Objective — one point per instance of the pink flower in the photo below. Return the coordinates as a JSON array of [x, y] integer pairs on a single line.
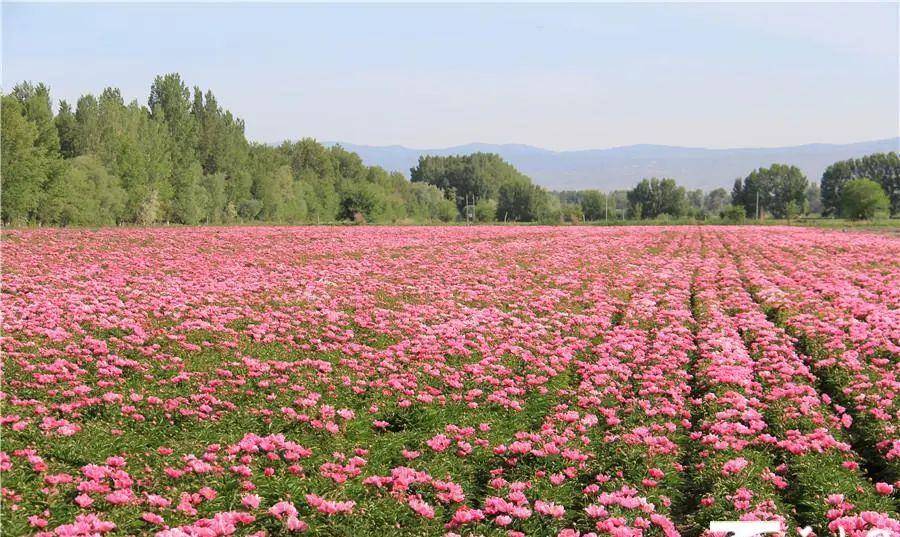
[[439, 442], [153, 518], [734, 466], [465, 515], [329, 507], [295, 524], [283, 508], [549, 508], [420, 507], [251, 501]]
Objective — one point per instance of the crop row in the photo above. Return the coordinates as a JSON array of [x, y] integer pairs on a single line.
[[425, 381]]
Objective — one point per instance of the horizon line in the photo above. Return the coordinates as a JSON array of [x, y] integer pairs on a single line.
[[345, 143]]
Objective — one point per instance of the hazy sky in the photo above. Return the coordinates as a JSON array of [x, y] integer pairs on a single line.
[[425, 76]]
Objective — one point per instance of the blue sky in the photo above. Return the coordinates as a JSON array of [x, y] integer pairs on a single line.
[[555, 76]]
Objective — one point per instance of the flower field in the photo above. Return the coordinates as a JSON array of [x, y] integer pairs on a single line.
[[429, 381]]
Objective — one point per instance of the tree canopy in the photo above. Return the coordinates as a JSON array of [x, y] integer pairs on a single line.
[[486, 180], [781, 191], [654, 197], [883, 168], [182, 158], [863, 199]]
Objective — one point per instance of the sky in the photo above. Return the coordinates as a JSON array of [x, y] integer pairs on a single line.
[[561, 77]]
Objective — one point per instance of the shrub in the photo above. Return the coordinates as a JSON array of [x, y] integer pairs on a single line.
[[863, 199], [486, 210], [733, 213]]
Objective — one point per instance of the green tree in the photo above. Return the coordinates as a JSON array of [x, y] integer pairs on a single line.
[[361, 202], [25, 165], [739, 195], [189, 199], [85, 194], [779, 189], [66, 128], [87, 131], [132, 145], [216, 199], [185, 159], [547, 209], [571, 212], [283, 199], [789, 191], [814, 198], [695, 202], [715, 200], [170, 101], [221, 144], [38, 109], [863, 199], [466, 177], [518, 200], [427, 203], [515, 201], [733, 213], [136, 147], [486, 210], [883, 168], [594, 205], [148, 212], [619, 198], [249, 209], [654, 197], [315, 168]]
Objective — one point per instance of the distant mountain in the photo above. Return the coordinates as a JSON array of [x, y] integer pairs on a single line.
[[621, 167]]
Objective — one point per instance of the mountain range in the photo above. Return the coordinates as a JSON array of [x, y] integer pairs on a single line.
[[622, 167]]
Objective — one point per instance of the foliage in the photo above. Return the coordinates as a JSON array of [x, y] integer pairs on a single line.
[[733, 213], [426, 203], [85, 194], [653, 197], [863, 199], [518, 200], [594, 205], [25, 164], [361, 203], [715, 201], [779, 190], [694, 199], [568, 212], [883, 168], [486, 210], [814, 198], [184, 159], [249, 209], [483, 176]]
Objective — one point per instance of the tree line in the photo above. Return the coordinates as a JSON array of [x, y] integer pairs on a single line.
[[857, 189], [486, 188], [881, 168], [492, 190], [184, 159]]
